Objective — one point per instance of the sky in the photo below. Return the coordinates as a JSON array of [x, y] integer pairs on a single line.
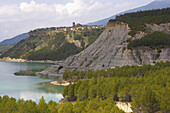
[[20, 16]]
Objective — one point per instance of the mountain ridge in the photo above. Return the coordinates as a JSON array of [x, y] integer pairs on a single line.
[[14, 40], [153, 5]]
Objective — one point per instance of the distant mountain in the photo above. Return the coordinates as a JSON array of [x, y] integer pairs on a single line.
[[158, 4], [14, 40]]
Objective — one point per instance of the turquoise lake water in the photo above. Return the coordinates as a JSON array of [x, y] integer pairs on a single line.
[[27, 87]]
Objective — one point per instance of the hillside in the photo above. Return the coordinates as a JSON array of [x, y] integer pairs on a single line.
[[54, 43], [5, 48], [111, 48], [14, 40], [158, 4]]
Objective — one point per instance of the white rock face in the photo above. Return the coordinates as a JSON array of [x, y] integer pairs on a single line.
[[110, 50], [125, 106]]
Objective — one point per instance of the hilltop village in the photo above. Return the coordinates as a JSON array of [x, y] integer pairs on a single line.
[[74, 27]]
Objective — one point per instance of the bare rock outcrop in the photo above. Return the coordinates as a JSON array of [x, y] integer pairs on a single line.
[[125, 106], [164, 27]]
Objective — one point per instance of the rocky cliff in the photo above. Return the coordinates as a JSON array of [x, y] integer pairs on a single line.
[[110, 50], [102, 52]]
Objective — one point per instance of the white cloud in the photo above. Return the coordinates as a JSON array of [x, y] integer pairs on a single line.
[[70, 7], [28, 7], [16, 19]]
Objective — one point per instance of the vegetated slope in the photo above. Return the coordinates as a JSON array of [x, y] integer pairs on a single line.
[[153, 40], [111, 50], [137, 21], [14, 40], [158, 4], [52, 44], [5, 48], [145, 86]]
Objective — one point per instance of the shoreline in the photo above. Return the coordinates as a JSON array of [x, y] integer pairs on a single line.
[[56, 83], [8, 59]]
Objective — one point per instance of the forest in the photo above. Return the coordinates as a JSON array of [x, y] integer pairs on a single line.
[[146, 87], [124, 71], [137, 20]]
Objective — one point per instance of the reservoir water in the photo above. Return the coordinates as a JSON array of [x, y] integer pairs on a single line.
[[27, 87]]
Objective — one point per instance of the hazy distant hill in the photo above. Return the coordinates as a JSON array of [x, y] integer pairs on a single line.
[[14, 40], [158, 4]]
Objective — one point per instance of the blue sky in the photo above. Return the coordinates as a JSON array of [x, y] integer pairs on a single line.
[[20, 16]]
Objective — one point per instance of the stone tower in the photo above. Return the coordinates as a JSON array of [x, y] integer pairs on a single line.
[[74, 24]]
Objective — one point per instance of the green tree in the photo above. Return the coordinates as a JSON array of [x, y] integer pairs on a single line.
[[146, 101], [66, 108], [53, 107], [42, 106]]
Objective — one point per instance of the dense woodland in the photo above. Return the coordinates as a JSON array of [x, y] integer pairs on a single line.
[[147, 86], [124, 71], [137, 20]]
